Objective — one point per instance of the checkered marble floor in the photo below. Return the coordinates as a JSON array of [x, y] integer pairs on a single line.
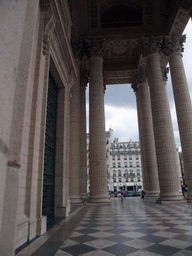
[[133, 227]]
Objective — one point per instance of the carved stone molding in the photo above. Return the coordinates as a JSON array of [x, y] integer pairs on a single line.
[[118, 77], [180, 22], [49, 25], [151, 45], [138, 76], [120, 48], [173, 44]]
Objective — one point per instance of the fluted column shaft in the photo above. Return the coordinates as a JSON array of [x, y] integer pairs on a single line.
[[74, 152], [184, 114], [83, 145], [98, 173], [163, 132], [152, 180]]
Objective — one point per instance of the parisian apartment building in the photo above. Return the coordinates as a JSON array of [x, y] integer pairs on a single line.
[[126, 171], [123, 166]]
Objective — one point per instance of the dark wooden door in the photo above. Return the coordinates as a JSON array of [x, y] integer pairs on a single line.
[[50, 148]]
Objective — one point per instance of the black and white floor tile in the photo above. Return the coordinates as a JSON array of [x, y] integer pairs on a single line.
[[133, 227]]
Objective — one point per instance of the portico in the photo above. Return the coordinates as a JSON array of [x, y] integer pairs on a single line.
[[50, 51]]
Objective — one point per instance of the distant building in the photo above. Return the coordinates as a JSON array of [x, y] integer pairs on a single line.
[[126, 171], [123, 164]]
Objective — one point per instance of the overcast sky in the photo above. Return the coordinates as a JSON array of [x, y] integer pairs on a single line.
[[120, 101]]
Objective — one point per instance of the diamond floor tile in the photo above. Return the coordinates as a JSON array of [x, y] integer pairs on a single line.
[[132, 227]]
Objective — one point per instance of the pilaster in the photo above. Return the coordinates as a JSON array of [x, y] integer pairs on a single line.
[[74, 153]]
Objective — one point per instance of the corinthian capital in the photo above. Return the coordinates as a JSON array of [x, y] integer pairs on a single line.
[[173, 44], [151, 44], [97, 48], [138, 76]]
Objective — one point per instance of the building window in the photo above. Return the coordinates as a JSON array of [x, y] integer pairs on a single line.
[[119, 164], [137, 157], [125, 157], [113, 165], [131, 171], [138, 179], [126, 179], [125, 164], [114, 173], [132, 180], [114, 179], [130, 157], [118, 157], [137, 164], [126, 172], [119, 179], [130, 164], [119, 173], [138, 172], [113, 157]]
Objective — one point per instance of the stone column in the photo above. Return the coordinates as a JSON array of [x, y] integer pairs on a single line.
[[98, 168], [144, 178], [74, 152], [173, 48], [147, 134], [83, 144], [163, 130]]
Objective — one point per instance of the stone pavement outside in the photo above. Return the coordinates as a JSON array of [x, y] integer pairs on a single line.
[[131, 226]]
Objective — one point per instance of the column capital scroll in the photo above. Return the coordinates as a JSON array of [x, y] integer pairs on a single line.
[[172, 44]]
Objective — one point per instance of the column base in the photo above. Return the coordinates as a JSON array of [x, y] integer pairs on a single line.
[[41, 225], [76, 200], [189, 198], [100, 199], [171, 199], [84, 197], [152, 194]]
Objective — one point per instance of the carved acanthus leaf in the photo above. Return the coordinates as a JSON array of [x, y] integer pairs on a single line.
[[138, 76], [151, 44], [173, 44]]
